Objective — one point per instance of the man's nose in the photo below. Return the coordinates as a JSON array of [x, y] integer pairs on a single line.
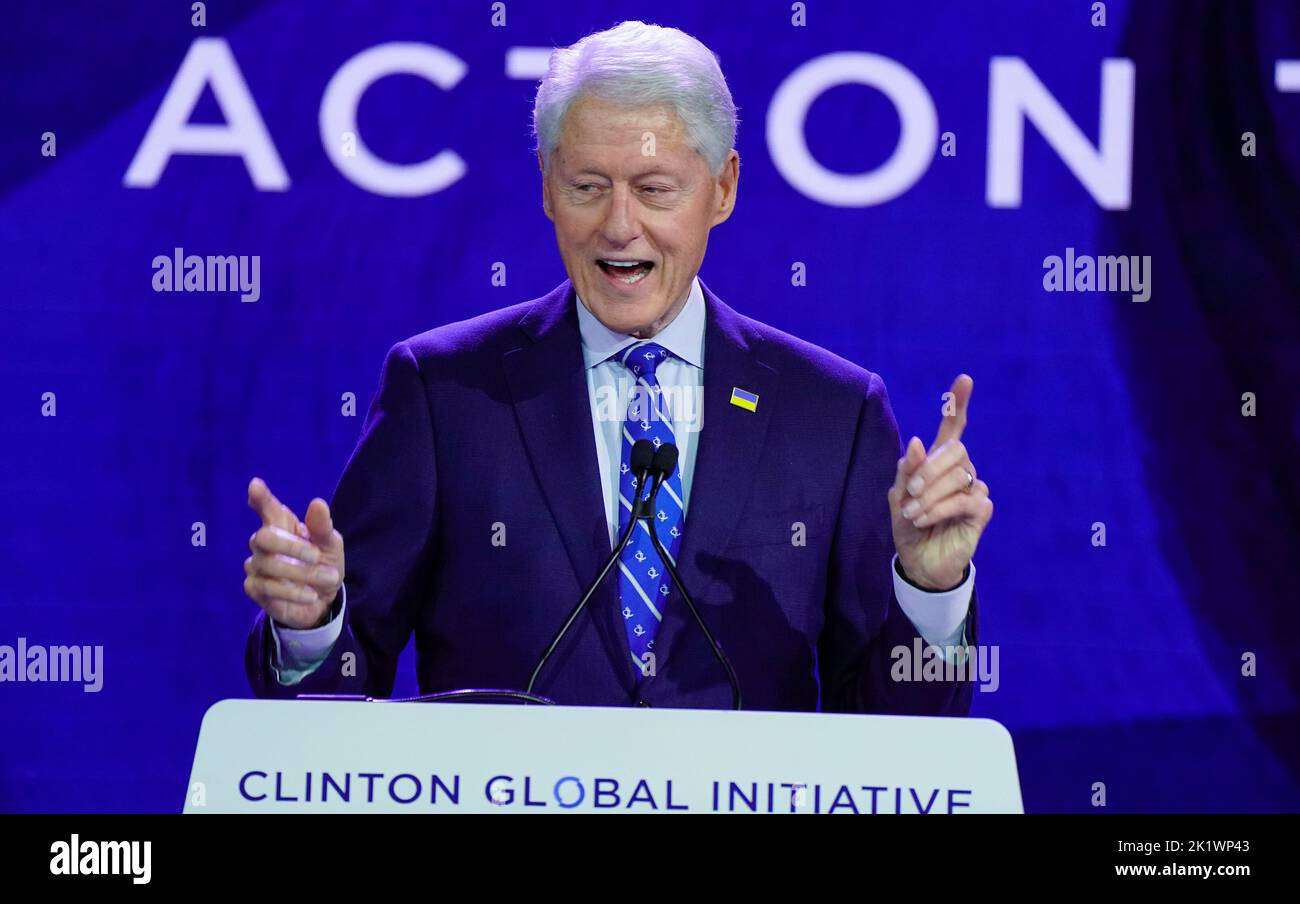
[[621, 226]]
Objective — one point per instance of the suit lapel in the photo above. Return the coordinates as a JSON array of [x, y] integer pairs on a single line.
[[726, 459], [548, 384]]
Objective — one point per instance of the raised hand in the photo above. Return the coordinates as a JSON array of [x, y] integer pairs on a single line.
[[938, 505], [296, 568]]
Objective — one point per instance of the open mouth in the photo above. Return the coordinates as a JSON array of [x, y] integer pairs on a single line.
[[627, 272]]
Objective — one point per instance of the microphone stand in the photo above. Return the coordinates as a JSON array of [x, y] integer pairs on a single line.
[[637, 511], [648, 513]]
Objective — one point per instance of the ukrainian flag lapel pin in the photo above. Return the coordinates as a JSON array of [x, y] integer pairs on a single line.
[[744, 399]]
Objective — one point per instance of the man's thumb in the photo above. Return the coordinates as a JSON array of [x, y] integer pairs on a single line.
[[320, 526]]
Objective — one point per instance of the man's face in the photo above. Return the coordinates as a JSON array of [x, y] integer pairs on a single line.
[[620, 196]]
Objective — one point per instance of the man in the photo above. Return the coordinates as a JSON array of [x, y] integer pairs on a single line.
[[491, 479]]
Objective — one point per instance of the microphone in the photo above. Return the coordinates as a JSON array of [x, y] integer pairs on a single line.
[[642, 458], [665, 460]]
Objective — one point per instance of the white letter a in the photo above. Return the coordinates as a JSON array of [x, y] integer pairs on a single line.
[[209, 62]]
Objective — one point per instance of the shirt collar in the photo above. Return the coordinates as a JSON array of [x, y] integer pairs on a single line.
[[683, 337]]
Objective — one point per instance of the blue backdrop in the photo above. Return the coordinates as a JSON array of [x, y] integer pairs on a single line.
[[1120, 664]]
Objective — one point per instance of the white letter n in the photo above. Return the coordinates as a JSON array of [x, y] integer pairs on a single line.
[[1016, 94]]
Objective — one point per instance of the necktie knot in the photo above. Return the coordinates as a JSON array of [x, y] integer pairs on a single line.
[[643, 358]]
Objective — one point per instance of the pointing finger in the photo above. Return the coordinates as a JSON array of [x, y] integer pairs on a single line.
[[956, 401], [272, 511]]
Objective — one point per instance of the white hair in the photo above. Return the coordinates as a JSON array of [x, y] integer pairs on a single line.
[[635, 64]]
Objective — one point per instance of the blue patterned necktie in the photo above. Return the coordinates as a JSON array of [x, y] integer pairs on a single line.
[[644, 584]]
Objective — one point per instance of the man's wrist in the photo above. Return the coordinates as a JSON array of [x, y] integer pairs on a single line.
[[902, 573], [331, 612]]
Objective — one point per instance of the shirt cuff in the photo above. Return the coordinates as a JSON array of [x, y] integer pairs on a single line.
[[939, 617], [298, 653]]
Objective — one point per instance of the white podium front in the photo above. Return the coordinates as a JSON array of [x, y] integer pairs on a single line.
[[318, 756]]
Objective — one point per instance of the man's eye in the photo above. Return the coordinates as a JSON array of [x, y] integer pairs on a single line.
[[586, 187], [654, 189]]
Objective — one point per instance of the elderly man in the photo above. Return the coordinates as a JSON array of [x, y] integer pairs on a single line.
[[493, 476]]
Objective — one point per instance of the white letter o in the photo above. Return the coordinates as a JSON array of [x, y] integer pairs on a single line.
[[918, 119]]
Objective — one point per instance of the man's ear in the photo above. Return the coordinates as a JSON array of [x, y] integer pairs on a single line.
[[546, 188], [726, 186]]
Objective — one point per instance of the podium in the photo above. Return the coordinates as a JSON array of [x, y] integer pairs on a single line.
[[331, 756]]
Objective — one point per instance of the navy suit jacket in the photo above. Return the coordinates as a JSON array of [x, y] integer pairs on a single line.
[[487, 422]]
